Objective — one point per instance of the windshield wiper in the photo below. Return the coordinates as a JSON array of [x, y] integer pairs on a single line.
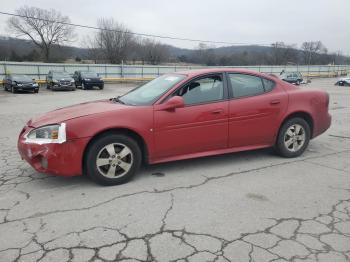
[[117, 99]]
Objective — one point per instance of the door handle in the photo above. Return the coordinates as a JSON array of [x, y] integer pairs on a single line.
[[217, 111], [275, 102]]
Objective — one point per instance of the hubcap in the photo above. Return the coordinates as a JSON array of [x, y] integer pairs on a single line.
[[114, 160], [294, 138]]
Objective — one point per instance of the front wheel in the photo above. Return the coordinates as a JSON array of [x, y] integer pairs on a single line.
[[112, 159], [293, 137], [13, 90]]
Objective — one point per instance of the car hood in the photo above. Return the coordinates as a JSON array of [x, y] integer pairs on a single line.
[[24, 82], [64, 79], [66, 113], [93, 78]]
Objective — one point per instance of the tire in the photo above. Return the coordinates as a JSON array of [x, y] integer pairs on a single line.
[[101, 87], [36, 91], [73, 88], [298, 83], [110, 172], [293, 138], [13, 90], [83, 87]]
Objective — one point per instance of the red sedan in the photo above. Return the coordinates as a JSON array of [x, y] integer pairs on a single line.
[[176, 116]]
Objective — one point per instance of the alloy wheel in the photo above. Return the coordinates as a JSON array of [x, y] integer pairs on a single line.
[[294, 138], [114, 160]]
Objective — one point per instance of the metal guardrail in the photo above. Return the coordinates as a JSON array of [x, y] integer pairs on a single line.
[[110, 72]]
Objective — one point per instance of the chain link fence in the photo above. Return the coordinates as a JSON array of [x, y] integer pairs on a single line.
[[38, 71]]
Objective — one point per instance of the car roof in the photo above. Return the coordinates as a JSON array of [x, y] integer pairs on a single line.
[[196, 72]]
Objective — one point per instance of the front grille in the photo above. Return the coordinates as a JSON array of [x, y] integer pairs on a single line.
[[65, 83]]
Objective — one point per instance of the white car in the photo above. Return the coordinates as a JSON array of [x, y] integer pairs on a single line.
[[344, 81]]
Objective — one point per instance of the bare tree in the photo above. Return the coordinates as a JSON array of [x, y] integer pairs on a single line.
[[43, 27], [151, 51], [310, 49], [282, 54], [205, 54], [113, 40]]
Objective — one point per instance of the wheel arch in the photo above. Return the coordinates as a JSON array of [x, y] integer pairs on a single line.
[[302, 114], [125, 131]]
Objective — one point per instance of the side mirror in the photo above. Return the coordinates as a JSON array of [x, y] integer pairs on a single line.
[[172, 104]]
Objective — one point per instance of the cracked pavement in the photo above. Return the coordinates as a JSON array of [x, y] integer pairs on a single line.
[[250, 206]]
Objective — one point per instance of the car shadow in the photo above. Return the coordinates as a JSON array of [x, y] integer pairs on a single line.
[[209, 161], [164, 169]]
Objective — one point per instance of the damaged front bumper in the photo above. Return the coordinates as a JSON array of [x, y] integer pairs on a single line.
[[64, 159]]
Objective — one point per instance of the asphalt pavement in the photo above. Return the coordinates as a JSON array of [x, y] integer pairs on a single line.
[[250, 206]]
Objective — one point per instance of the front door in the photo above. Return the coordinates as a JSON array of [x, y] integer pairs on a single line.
[[202, 125]]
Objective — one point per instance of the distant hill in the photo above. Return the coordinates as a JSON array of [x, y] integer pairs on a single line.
[[14, 49]]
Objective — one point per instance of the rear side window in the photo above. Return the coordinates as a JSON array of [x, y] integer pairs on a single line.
[[246, 85], [268, 84]]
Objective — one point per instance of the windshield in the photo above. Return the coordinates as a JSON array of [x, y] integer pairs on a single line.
[[61, 75], [22, 78], [89, 74], [148, 93]]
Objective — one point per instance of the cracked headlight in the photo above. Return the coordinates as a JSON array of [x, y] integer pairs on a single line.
[[47, 134]]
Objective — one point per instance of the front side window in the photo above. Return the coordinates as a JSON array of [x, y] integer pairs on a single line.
[[246, 85], [202, 90]]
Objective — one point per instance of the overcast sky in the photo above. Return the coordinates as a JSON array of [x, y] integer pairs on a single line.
[[248, 21]]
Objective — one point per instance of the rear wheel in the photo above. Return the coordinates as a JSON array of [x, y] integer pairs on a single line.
[[112, 159], [293, 137]]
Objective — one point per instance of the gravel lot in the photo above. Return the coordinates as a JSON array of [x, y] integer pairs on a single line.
[[251, 206]]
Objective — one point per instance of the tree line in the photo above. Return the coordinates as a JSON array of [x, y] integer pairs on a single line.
[[50, 32]]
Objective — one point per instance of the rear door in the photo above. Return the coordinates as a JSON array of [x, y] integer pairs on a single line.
[[255, 110], [202, 125]]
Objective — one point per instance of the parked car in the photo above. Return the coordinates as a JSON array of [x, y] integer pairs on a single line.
[[14, 83], [87, 79], [292, 77], [175, 116], [344, 81], [59, 80]]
